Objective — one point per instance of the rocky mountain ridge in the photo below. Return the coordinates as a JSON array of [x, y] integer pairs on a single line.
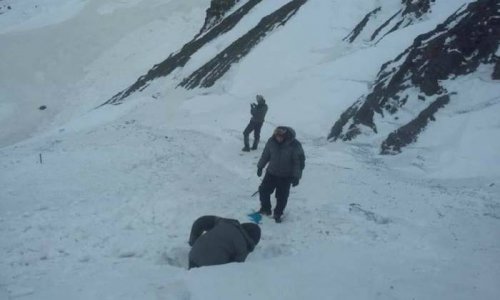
[[467, 39], [411, 11], [208, 74]]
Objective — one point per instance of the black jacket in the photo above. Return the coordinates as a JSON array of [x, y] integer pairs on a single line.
[[286, 159], [258, 112], [224, 241]]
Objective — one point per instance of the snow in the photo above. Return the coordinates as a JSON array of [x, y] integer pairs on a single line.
[[32, 14], [98, 203], [105, 58], [465, 130]]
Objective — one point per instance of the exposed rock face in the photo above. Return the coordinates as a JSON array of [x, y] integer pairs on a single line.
[[180, 58], [216, 12], [361, 25], [416, 8], [411, 11], [209, 73], [408, 133], [468, 38]]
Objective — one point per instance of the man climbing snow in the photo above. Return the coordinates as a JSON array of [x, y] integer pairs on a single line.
[[215, 241], [285, 160], [258, 112]]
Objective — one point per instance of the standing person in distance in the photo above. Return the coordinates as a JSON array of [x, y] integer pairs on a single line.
[[285, 160], [258, 111]]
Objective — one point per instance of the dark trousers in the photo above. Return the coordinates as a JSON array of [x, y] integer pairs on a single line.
[[267, 187], [255, 127]]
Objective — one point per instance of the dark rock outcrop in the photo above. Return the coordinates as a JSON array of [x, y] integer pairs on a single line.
[[384, 25], [361, 25], [209, 73], [468, 38], [408, 133], [215, 13], [180, 58], [411, 11], [416, 8]]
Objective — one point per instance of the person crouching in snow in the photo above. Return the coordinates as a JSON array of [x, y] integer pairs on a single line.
[[215, 241]]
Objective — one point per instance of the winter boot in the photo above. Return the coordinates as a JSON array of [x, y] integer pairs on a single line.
[[247, 143], [277, 219], [264, 212], [255, 144]]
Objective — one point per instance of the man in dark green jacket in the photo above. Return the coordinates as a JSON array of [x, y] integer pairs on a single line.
[[215, 241], [258, 112], [285, 160]]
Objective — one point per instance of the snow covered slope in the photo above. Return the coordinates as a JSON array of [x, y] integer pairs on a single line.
[[97, 201], [411, 89], [86, 53]]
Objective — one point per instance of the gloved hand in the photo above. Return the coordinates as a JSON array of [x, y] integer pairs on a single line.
[[259, 172], [295, 181]]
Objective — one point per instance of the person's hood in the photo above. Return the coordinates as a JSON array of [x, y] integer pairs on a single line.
[[289, 133], [253, 231], [250, 232]]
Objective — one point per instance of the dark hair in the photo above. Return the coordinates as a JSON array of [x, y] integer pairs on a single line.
[[280, 130]]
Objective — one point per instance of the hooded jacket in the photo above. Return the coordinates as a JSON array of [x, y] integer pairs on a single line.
[[286, 159], [224, 241], [258, 111]]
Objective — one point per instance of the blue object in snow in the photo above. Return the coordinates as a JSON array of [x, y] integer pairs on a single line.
[[255, 217]]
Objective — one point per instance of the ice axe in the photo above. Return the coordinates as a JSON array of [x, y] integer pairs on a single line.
[[257, 189]]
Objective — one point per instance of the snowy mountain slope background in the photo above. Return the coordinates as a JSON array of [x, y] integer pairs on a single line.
[[97, 203], [411, 89]]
